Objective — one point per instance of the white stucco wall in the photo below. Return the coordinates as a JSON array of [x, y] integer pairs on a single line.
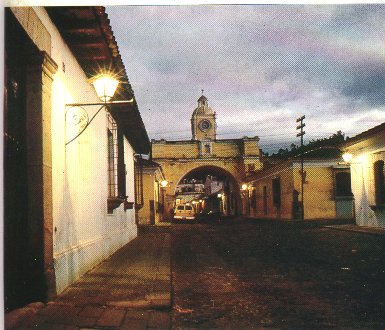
[[84, 234], [363, 189]]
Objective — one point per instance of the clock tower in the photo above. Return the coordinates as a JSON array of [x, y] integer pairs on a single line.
[[203, 123]]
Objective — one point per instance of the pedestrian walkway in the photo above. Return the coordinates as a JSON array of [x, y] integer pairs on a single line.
[[359, 229], [130, 290]]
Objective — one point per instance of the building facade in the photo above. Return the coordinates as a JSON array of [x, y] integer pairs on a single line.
[[230, 158], [367, 152], [151, 210], [275, 192], [68, 170]]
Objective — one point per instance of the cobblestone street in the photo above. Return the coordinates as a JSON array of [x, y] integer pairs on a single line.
[[237, 274], [260, 274], [182, 166]]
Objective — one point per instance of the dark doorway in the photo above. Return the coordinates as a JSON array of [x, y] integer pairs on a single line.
[[18, 289], [296, 206], [264, 200]]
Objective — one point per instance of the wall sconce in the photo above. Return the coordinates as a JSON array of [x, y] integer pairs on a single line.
[[219, 195], [244, 186], [163, 183], [347, 157], [105, 86]]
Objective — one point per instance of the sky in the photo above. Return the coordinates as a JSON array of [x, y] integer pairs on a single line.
[[260, 66]]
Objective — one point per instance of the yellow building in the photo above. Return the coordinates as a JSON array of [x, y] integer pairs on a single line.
[[367, 157], [231, 159], [275, 192], [150, 208]]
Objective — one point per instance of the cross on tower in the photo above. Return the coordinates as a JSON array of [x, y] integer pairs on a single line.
[[202, 91]]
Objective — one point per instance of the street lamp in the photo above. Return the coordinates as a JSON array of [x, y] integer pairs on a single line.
[[105, 86], [347, 157], [163, 183], [245, 198]]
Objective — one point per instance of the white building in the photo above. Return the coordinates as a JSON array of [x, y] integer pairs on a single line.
[[367, 153], [68, 200], [190, 187], [213, 185]]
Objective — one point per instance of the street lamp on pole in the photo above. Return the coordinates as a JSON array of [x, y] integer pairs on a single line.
[[163, 186]]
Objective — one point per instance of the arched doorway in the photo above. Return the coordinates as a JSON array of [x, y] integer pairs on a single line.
[[209, 188]]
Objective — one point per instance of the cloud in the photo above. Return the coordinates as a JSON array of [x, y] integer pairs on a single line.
[[367, 87], [260, 65]]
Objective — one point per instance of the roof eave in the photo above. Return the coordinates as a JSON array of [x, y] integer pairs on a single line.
[[88, 33]]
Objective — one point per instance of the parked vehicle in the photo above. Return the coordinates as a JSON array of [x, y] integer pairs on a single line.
[[184, 212]]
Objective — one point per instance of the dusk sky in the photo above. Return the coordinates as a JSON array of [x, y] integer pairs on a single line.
[[261, 67]]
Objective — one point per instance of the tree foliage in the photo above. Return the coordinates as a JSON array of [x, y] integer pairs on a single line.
[[321, 148]]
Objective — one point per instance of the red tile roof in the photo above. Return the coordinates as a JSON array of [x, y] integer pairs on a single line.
[[89, 35]]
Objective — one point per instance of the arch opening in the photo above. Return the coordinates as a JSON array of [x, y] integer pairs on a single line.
[[209, 189]]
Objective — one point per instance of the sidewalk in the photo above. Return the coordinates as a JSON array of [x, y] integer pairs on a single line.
[[359, 229], [129, 290]]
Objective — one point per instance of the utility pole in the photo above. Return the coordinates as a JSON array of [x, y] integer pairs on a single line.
[[301, 134]]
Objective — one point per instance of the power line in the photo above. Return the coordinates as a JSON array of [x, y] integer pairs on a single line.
[[315, 133]]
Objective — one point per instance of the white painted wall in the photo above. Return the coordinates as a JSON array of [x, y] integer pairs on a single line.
[[363, 189], [84, 234]]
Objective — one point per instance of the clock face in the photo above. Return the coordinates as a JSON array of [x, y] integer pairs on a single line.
[[204, 125]]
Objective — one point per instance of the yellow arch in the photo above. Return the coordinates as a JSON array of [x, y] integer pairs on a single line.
[[175, 171]]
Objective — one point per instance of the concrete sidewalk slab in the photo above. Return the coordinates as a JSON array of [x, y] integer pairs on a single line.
[[129, 290]]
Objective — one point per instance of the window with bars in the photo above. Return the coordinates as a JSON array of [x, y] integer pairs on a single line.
[[116, 166], [112, 139], [343, 187], [139, 199]]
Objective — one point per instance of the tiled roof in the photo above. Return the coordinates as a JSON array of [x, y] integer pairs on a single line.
[[365, 135], [148, 162], [88, 33]]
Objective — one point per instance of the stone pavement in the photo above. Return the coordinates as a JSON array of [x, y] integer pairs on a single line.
[[129, 290]]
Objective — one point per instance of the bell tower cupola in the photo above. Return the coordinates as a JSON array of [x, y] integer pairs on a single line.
[[203, 121]]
